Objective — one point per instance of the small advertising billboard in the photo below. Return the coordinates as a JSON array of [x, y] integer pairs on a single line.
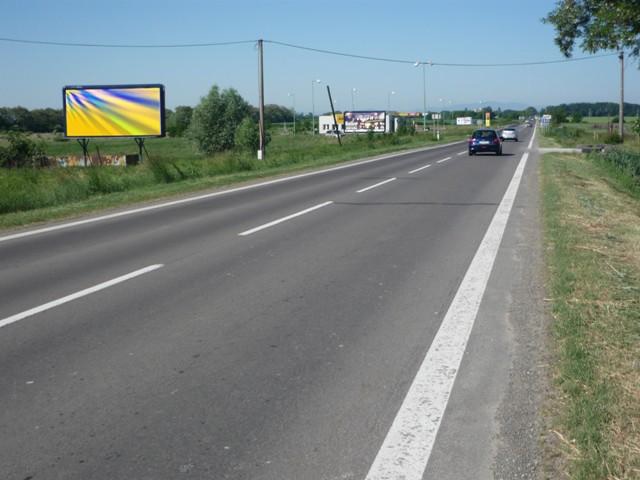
[[134, 111], [362, 122], [487, 119], [463, 121]]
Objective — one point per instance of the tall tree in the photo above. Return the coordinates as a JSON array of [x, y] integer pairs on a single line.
[[599, 24], [215, 119]]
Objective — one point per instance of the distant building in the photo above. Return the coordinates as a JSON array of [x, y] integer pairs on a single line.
[[326, 125]]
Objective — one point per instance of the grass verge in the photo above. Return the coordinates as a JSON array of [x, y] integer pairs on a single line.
[[35, 195], [592, 239]]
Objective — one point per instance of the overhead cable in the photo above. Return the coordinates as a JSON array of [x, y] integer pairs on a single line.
[[120, 45], [302, 47]]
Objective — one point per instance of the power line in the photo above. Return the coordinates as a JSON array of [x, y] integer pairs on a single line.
[[112, 45], [342, 54], [302, 47], [441, 64]]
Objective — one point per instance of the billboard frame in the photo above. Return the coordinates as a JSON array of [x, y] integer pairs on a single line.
[[384, 127], [163, 129]]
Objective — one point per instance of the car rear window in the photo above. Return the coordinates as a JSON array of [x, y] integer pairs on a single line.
[[509, 130], [484, 134]]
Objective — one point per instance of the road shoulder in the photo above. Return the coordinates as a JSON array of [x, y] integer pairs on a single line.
[[491, 427]]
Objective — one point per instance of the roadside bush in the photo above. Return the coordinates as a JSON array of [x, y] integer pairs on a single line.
[[612, 138], [404, 130], [248, 135], [165, 171], [21, 152], [563, 132], [371, 136], [625, 160]]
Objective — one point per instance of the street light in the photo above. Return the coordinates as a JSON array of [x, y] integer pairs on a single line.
[[389, 99], [424, 93], [293, 97], [440, 120], [353, 102], [313, 106]]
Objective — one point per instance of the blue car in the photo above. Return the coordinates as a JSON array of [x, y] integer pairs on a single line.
[[485, 140]]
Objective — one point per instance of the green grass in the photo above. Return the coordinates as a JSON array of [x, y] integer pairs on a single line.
[[592, 130], [33, 195], [592, 239]]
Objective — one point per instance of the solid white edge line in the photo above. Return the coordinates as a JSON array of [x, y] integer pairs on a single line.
[[215, 194], [444, 160], [533, 135], [74, 296], [284, 219], [408, 444], [376, 185], [421, 168]]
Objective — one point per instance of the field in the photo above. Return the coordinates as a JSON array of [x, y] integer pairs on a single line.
[[174, 167], [591, 131]]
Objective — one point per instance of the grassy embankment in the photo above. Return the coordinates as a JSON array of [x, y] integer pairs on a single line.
[[32, 195], [591, 208], [591, 131]]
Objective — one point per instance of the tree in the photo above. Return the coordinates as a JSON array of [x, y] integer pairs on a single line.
[[216, 118], [600, 24], [179, 121], [558, 115], [576, 117]]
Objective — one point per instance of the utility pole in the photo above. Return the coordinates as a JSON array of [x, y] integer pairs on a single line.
[[261, 100], [335, 120], [621, 108]]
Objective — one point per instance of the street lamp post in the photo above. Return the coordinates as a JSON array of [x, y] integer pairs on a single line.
[[313, 106], [440, 121], [353, 102], [389, 99], [293, 97], [424, 93]]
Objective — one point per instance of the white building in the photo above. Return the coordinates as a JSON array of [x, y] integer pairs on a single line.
[[326, 125]]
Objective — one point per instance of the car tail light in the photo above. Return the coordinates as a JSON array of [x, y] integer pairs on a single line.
[[496, 140]]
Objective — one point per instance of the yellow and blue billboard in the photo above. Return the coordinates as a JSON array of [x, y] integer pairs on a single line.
[[114, 111]]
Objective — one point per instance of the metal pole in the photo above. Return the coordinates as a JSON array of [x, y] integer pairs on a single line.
[[261, 100], [294, 113], [353, 103], [313, 110], [621, 109], [424, 99]]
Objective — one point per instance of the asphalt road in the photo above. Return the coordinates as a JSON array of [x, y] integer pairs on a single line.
[[275, 337]]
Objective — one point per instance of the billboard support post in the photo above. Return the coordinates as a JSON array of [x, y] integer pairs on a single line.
[[84, 143], [335, 120], [140, 143]]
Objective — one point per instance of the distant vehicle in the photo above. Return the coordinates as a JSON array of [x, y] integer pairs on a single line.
[[509, 134], [485, 140]]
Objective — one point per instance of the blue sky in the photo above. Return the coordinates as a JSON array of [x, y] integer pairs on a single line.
[[454, 31]]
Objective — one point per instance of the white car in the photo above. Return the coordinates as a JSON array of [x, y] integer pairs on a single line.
[[509, 134]]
